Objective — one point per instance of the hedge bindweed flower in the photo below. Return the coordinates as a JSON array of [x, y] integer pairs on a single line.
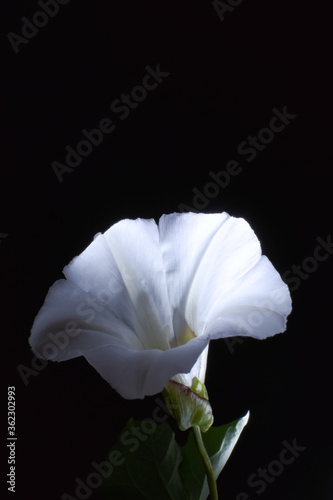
[[142, 302]]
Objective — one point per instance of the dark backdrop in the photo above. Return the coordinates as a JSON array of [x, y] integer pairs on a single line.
[[225, 78]]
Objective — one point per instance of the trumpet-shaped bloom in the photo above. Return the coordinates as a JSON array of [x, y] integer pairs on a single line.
[[142, 301]]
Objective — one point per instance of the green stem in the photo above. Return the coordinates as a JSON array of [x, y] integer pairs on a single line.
[[206, 460]]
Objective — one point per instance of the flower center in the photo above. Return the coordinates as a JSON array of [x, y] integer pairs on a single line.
[[186, 336]]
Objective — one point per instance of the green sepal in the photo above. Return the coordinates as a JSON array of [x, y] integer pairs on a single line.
[[189, 405]]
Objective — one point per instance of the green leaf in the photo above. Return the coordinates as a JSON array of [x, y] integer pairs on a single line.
[[151, 465], [150, 468], [219, 443]]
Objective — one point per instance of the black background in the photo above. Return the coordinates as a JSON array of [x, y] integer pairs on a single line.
[[225, 79]]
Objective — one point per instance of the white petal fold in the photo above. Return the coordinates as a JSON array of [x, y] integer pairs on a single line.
[[135, 374], [58, 333], [218, 281]]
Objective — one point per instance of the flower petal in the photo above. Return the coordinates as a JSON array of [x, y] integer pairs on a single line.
[[198, 369], [135, 247], [135, 374], [204, 254], [257, 305], [125, 266], [58, 333], [65, 315]]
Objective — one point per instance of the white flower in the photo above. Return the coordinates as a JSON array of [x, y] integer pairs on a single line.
[[142, 302]]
